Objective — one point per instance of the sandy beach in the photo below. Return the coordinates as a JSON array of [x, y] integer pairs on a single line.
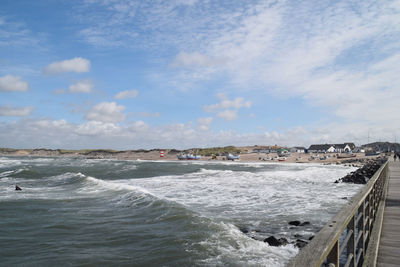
[[171, 155]]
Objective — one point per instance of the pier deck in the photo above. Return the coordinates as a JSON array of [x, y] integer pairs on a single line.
[[389, 246]]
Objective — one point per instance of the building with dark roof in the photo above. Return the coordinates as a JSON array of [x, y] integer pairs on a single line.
[[331, 148]]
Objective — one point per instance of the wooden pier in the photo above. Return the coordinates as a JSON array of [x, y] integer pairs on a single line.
[[389, 245], [361, 230]]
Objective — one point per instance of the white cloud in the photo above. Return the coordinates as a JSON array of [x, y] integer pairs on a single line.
[[99, 134], [225, 103], [11, 83], [195, 59], [228, 115], [83, 86], [127, 94], [15, 111], [16, 33], [76, 64], [204, 123], [106, 112], [228, 109], [93, 128]]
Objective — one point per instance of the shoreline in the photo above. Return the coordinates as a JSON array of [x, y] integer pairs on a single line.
[[171, 155]]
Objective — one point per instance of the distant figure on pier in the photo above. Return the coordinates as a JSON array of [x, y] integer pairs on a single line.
[[17, 188], [395, 157]]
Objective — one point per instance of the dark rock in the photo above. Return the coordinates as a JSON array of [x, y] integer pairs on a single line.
[[301, 243], [363, 174], [295, 223], [311, 238], [272, 241], [283, 241], [244, 230]]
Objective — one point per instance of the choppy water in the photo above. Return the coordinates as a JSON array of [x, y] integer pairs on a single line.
[[141, 213]]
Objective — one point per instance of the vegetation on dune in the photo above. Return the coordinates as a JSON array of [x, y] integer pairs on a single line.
[[208, 152], [7, 150], [218, 151]]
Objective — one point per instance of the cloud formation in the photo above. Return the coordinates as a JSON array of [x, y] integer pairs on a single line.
[[98, 134], [228, 115], [106, 112], [83, 86], [204, 123], [195, 59], [16, 33], [127, 94], [10, 83], [228, 109], [225, 103], [15, 111], [76, 64]]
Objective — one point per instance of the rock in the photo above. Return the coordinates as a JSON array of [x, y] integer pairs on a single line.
[[301, 243], [272, 241], [363, 174], [295, 223], [305, 223], [311, 238], [244, 230]]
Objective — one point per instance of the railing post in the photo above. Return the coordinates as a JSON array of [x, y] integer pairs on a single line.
[[370, 209], [362, 231], [351, 245], [333, 256]]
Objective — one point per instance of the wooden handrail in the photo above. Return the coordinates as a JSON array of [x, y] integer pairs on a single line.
[[345, 238]]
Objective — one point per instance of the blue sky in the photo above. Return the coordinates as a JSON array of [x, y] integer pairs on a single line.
[[162, 74]]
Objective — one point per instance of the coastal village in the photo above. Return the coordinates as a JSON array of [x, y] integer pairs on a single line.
[[320, 153]]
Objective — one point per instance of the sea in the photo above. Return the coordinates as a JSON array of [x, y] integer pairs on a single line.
[[95, 212]]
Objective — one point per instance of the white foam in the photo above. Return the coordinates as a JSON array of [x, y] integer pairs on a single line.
[[9, 162], [257, 196], [6, 173], [116, 185], [229, 246]]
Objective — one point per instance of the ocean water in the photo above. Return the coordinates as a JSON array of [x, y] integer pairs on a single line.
[[75, 211]]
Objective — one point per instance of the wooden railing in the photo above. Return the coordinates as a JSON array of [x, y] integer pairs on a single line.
[[344, 240]]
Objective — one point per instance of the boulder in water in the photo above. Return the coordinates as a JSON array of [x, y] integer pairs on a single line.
[[295, 223], [301, 243], [272, 241]]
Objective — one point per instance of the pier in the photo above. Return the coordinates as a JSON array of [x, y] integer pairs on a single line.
[[389, 245], [365, 232]]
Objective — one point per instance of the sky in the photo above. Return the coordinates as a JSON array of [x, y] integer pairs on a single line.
[[117, 74]]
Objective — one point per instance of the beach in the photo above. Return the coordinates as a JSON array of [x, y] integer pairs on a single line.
[[246, 155]]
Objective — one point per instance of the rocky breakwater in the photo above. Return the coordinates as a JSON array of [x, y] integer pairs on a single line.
[[363, 174], [294, 234]]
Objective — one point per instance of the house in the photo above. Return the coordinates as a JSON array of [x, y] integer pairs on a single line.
[[321, 148], [332, 148], [358, 150], [266, 149], [351, 145], [342, 148], [298, 149]]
